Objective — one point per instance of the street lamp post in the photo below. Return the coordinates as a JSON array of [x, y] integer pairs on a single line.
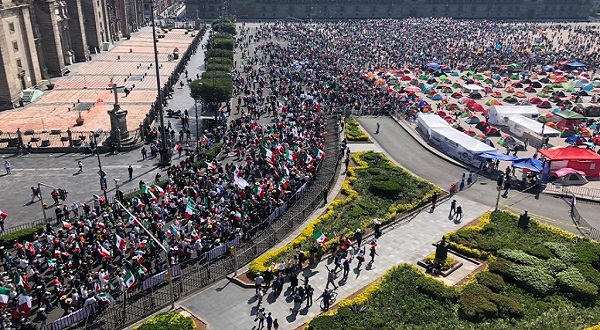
[[164, 248], [197, 128], [101, 173], [164, 155]]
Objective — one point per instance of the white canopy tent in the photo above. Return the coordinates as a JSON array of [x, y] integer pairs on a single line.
[[458, 145], [500, 114], [518, 125], [427, 121]]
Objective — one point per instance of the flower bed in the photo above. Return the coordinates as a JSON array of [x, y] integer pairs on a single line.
[[168, 321], [539, 277], [361, 204], [353, 131]]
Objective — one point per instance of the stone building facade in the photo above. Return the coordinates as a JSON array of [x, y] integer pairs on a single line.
[[355, 9], [39, 39]]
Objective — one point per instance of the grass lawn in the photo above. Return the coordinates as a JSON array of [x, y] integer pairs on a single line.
[[375, 188], [537, 278]]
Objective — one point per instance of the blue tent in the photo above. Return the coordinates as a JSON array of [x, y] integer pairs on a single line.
[[576, 64], [531, 164], [423, 103], [433, 65], [497, 155], [575, 139]]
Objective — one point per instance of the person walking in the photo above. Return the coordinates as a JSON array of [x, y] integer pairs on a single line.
[[35, 194], [130, 170], [144, 153], [275, 324], [7, 167], [434, 199], [331, 278], [326, 298], [346, 269], [309, 295], [452, 208], [360, 257], [80, 165], [260, 317], [325, 192], [372, 253], [258, 281], [358, 237], [377, 130], [269, 321], [459, 212]]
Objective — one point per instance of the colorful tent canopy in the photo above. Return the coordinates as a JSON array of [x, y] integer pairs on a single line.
[[569, 153]]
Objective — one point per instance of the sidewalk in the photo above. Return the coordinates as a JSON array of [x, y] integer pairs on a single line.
[[222, 304]]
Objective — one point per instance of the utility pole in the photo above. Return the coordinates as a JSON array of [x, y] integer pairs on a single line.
[[165, 157], [40, 184]]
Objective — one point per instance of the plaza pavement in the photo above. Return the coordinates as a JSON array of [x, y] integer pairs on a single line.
[[130, 62]]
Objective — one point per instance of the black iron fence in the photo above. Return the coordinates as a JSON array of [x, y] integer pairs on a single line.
[[198, 273], [583, 226]]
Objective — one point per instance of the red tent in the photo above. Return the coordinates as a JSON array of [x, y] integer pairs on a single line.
[[580, 159], [544, 105]]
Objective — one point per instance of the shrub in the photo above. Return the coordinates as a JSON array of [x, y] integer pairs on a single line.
[[436, 289], [469, 252], [501, 267], [220, 60], [227, 27], [221, 43], [519, 257], [353, 131], [20, 235], [533, 278], [587, 251], [219, 53], [589, 272], [218, 68], [562, 251], [168, 321], [214, 150], [553, 266], [475, 305], [538, 250], [507, 306], [385, 188], [493, 281], [571, 280]]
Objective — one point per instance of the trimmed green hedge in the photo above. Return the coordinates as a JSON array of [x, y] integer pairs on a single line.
[[218, 53], [222, 43], [168, 321], [353, 131], [20, 235], [220, 60]]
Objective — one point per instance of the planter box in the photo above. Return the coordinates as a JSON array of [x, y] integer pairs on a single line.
[[45, 143]]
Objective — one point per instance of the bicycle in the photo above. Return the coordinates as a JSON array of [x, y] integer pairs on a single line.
[[332, 298]]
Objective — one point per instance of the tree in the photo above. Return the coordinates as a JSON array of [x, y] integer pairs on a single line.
[[211, 91]]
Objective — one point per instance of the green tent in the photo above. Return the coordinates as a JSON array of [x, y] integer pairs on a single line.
[[423, 77], [443, 77], [514, 66], [569, 115], [569, 88]]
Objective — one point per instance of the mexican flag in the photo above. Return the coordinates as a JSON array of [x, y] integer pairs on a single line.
[[209, 166], [103, 252], [105, 296], [3, 215], [189, 209], [319, 154], [133, 221], [320, 237], [260, 190], [268, 154], [129, 280], [120, 242], [51, 264], [29, 246], [204, 139], [25, 303], [290, 155], [146, 190], [306, 157], [4, 296], [161, 191]]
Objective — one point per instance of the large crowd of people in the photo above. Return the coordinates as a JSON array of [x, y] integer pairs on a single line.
[[291, 76]]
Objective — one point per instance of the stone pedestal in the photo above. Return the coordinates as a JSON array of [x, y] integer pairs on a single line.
[[118, 124]]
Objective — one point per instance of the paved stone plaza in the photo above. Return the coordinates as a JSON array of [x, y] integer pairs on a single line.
[[129, 63]]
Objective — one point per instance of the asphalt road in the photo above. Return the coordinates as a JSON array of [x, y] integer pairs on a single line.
[[413, 156], [60, 170]]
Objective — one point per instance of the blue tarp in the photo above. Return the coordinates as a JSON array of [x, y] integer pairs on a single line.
[[433, 65], [576, 64], [497, 155], [422, 103], [532, 164]]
